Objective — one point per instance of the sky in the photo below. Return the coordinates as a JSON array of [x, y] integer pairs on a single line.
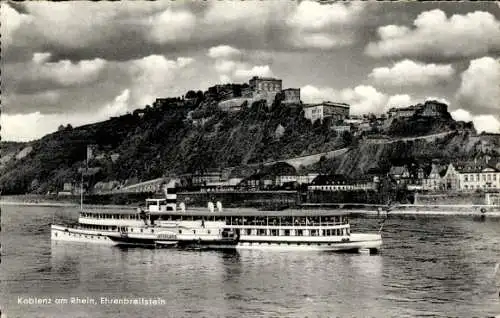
[[82, 62]]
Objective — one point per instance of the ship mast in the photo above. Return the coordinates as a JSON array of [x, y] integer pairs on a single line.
[[81, 182], [81, 193]]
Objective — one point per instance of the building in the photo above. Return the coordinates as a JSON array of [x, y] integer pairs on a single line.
[[265, 84], [331, 110], [265, 88], [68, 187], [451, 179], [306, 178], [400, 174], [339, 129], [433, 108], [430, 108], [228, 185], [232, 105], [154, 185], [280, 180], [341, 183], [208, 178], [417, 177], [432, 182], [478, 176], [404, 112], [291, 96]]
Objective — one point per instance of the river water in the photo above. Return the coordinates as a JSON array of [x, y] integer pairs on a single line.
[[429, 266]]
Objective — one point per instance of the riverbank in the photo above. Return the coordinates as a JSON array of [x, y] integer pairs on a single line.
[[369, 210]]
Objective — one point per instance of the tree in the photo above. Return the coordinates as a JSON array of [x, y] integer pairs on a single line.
[[191, 94]]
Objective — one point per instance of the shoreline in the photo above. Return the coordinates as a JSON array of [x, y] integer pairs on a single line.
[[369, 210]]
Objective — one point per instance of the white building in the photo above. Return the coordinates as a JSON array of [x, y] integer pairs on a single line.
[[336, 111], [341, 183], [483, 178]]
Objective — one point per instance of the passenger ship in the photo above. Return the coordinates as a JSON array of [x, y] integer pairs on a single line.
[[164, 223]]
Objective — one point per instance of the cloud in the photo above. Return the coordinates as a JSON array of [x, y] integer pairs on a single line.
[[245, 73], [363, 99], [171, 26], [153, 76], [400, 100], [312, 94], [30, 126], [487, 123], [40, 58], [118, 106], [223, 52], [314, 16], [323, 26], [232, 64], [479, 89], [434, 35], [65, 72], [226, 17], [408, 72], [11, 22]]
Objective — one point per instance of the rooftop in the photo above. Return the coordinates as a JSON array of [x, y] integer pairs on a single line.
[[328, 103], [265, 78]]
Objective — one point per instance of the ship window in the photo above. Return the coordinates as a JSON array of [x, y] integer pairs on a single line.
[[152, 231], [131, 230], [287, 232], [314, 232], [180, 231], [261, 232], [194, 231], [249, 231], [208, 231], [142, 230], [299, 232], [274, 232]]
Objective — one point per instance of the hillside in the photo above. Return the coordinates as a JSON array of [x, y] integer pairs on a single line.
[[369, 158], [178, 136], [165, 139]]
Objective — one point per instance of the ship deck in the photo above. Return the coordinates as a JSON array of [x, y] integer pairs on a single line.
[[197, 211]]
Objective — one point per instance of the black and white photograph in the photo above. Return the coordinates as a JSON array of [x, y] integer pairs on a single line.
[[258, 158]]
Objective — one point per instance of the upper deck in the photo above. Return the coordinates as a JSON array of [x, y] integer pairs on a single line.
[[249, 212], [132, 213]]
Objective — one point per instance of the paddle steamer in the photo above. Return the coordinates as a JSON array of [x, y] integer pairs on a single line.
[[165, 223]]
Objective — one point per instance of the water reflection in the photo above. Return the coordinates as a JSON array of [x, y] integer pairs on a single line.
[[427, 266]]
